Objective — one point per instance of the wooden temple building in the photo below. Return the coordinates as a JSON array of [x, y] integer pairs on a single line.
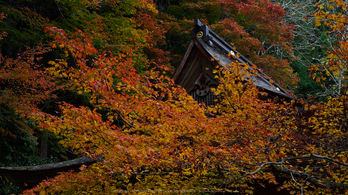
[[195, 72]]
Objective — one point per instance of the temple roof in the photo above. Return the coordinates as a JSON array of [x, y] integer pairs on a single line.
[[213, 46]]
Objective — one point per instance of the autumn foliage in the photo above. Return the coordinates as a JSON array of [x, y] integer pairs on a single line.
[[332, 72], [147, 133]]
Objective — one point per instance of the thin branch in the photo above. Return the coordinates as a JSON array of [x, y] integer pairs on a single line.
[[147, 174], [297, 183], [279, 166]]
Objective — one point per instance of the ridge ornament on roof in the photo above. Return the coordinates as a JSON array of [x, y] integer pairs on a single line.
[[195, 70]]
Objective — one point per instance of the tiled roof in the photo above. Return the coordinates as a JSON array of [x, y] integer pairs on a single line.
[[218, 49]]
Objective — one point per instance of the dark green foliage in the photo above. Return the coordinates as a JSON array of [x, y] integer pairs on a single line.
[[6, 187], [307, 57], [181, 14], [206, 10], [18, 146], [23, 29]]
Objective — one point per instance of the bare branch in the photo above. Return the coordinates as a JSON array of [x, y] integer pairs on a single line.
[[279, 166]]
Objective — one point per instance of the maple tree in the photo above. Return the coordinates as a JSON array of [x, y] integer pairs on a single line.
[[146, 133], [168, 142]]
